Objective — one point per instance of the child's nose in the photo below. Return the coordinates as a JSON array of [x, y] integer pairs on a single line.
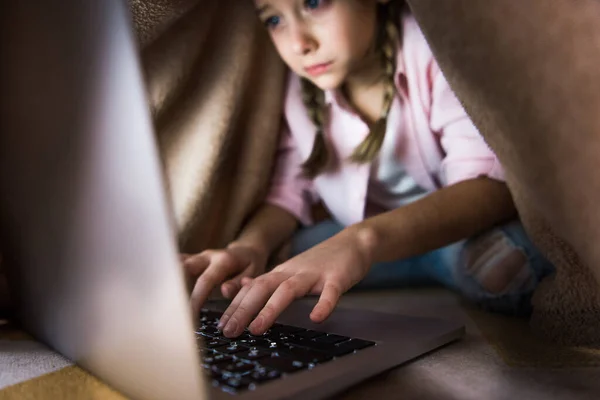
[[302, 41]]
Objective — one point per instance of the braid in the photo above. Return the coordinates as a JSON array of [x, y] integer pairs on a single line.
[[369, 148], [313, 99]]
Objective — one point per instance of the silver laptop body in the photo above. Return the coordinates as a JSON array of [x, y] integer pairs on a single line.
[[86, 226]]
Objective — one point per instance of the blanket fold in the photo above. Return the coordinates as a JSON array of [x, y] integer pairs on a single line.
[[531, 88], [215, 87]]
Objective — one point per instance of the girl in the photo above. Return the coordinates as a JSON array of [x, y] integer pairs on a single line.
[[375, 133]]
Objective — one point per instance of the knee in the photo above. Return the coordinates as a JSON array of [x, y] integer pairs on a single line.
[[496, 263]]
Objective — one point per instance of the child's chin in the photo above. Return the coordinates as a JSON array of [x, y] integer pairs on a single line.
[[326, 82]]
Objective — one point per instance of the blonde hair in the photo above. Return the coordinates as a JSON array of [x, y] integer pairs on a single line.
[[313, 98]]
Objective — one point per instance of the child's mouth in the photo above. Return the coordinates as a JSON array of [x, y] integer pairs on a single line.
[[318, 69]]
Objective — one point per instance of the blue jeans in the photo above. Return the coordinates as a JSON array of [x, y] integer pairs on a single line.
[[455, 266]]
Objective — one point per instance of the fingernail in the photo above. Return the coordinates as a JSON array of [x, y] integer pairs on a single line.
[[231, 328], [317, 316], [222, 322], [226, 291], [257, 324]]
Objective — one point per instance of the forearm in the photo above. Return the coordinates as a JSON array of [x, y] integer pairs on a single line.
[[441, 218], [267, 229], [535, 100]]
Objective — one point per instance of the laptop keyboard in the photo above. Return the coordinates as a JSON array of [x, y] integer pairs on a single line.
[[247, 361]]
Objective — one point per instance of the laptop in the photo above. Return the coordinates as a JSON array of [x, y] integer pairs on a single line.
[[87, 230]]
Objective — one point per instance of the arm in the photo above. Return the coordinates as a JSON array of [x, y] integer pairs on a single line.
[[446, 216], [474, 199], [269, 227], [527, 72], [287, 203], [335, 265]]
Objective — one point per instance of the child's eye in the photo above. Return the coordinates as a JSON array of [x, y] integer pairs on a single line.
[[272, 22], [312, 4]]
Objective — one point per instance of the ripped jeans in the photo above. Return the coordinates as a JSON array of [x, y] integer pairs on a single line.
[[477, 268]]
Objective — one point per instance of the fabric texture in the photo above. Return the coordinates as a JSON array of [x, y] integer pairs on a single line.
[[536, 103], [216, 96], [154, 17]]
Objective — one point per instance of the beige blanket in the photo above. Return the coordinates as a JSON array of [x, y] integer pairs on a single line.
[[215, 87], [527, 73], [216, 96]]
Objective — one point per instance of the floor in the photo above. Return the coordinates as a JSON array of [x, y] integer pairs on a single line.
[[481, 366], [469, 369]]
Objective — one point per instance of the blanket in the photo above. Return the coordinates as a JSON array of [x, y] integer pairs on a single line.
[[215, 90], [526, 73], [216, 96]]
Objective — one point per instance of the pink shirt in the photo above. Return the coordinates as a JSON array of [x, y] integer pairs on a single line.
[[429, 135]]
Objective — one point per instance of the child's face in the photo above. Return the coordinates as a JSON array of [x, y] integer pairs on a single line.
[[325, 41]]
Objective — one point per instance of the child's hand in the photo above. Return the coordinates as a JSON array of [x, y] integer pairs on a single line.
[[329, 269], [213, 267]]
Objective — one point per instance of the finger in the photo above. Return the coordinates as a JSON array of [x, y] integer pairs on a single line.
[[247, 280], [232, 307], [220, 268], [184, 256], [231, 288], [197, 263], [327, 302], [289, 290], [255, 298]]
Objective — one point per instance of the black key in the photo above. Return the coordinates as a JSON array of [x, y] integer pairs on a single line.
[[232, 348], [204, 313], [331, 339], [282, 364], [209, 330], [209, 318], [296, 341], [235, 367], [275, 335], [212, 374], [211, 344], [275, 345], [206, 352], [264, 375], [209, 322], [253, 354], [207, 338], [285, 329], [308, 334], [307, 356], [245, 336], [272, 335], [260, 343], [237, 383], [216, 358]]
